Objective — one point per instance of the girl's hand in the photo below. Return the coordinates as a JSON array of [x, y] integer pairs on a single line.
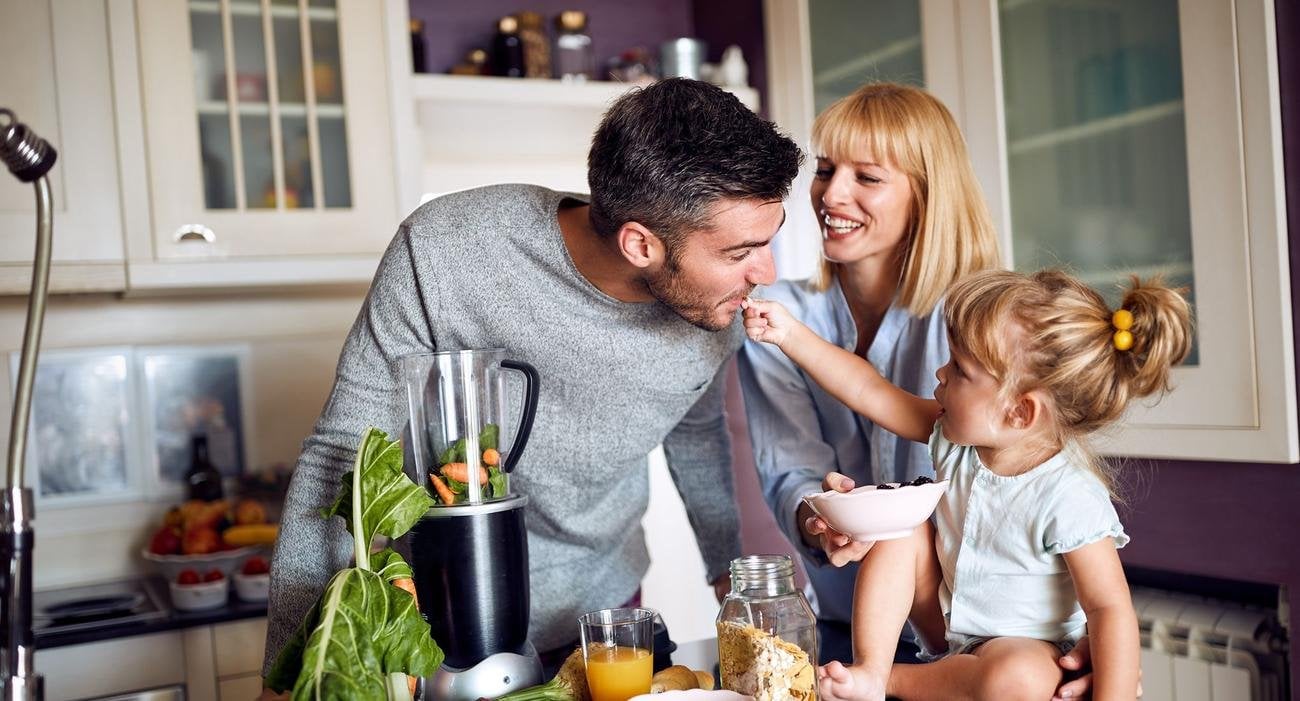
[[839, 548], [1080, 660], [767, 321]]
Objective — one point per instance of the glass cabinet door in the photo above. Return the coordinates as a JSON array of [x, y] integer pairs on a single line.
[[271, 117], [1096, 144], [855, 42]]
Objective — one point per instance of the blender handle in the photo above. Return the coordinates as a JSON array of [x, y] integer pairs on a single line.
[[529, 409]]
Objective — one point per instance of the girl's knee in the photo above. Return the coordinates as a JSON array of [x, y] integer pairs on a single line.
[[1021, 677]]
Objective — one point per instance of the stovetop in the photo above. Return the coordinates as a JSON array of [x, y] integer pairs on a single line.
[[95, 606]]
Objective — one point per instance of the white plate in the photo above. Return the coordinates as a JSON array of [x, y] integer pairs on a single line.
[[694, 695]]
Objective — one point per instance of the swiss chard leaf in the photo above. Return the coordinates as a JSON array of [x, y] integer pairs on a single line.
[[497, 479], [367, 629], [391, 502]]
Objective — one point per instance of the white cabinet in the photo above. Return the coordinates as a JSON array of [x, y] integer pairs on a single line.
[[57, 80], [1112, 138], [269, 148], [113, 666]]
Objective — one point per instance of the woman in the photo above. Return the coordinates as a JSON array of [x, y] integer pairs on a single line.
[[902, 218]]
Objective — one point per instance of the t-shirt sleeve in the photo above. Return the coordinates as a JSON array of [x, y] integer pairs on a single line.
[[943, 453], [1083, 514]]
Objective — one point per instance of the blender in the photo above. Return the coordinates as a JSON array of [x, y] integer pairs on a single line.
[[469, 553]]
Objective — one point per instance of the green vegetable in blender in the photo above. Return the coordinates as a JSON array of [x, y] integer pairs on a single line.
[[365, 634]]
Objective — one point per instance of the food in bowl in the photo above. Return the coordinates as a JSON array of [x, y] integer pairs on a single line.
[[879, 511], [198, 596], [253, 580]]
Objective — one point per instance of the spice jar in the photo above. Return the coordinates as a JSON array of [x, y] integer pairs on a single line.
[[574, 59], [537, 48], [767, 633]]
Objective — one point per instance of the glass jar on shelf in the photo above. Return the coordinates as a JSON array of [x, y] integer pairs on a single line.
[[767, 633]]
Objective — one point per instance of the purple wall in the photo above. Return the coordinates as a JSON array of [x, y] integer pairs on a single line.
[[452, 28]]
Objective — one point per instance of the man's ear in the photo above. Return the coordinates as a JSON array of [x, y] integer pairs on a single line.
[[1027, 410], [640, 246]]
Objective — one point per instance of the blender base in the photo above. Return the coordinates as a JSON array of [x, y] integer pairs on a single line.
[[495, 676]]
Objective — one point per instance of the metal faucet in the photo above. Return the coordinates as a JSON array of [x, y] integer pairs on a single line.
[[29, 158]]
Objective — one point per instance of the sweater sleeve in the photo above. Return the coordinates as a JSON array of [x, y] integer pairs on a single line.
[[699, 459], [368, 391]]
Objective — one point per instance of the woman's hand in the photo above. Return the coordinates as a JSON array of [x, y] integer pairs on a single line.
[[1080, 660], [839, 548], [766, 321]]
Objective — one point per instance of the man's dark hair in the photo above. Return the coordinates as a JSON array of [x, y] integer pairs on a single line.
[[665, 154]]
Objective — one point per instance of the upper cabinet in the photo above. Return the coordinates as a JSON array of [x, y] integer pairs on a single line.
[[57, 80], [269, 147], [1115, 139]]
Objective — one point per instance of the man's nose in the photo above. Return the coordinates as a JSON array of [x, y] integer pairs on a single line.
[[763, 271]]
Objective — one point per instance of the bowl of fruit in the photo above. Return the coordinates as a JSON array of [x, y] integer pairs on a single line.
[[208, 535], [879, 511], [192, 591], [253, 579]]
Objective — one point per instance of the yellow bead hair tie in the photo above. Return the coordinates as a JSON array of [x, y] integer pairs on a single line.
[[1122, 320]]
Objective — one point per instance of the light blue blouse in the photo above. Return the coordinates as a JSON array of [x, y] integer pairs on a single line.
[[800, 433], [1000, 542]]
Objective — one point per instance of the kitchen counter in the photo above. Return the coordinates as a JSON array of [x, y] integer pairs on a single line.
[[166, 620]]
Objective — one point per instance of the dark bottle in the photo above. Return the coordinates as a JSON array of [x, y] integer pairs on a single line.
[[418, 60], [508, 49], [203, 478]]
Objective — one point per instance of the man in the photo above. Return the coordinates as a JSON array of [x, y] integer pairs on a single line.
[[624, 302]]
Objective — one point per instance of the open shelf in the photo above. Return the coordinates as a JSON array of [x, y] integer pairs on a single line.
[[532, 92]]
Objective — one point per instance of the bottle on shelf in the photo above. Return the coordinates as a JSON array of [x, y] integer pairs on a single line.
[[203, 478], [574, 58], [475, 63], [537, 48], [508, 49], [419, 60]]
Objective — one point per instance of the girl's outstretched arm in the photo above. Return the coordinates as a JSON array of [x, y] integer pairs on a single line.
[[1112, 623], [847, 377]]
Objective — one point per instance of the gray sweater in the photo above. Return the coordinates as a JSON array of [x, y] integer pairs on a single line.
[[488, 268]]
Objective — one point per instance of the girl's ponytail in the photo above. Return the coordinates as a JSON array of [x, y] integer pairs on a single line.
[[1161, 336]]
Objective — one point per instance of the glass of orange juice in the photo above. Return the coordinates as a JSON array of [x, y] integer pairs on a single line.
[[618, 645]]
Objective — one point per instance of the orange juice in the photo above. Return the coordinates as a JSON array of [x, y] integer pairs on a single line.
[[617, 673]]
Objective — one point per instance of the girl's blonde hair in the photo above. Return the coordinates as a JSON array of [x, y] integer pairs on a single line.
[[951, 232], [1066, 347]]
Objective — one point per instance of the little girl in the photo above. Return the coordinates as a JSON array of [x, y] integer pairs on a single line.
[[1021, 551]]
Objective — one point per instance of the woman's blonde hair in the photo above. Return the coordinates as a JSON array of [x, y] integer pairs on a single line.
[[1066, 348], [951, 232]]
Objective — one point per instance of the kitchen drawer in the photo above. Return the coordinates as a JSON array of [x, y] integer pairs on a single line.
[[243, 688], [112, 666], [238, 647]]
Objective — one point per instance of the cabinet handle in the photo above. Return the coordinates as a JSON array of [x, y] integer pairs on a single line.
[[194, 232]]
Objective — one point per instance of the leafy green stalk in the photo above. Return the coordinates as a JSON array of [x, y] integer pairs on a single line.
[[364, 634]]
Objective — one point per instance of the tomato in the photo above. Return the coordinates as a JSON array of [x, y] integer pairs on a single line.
[[213, 576], [165, 541], [187, 577], [256, 565]]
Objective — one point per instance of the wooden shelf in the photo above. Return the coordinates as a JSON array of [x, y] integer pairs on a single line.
[[532, 92]]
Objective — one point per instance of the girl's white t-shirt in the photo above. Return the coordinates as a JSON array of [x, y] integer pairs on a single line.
[[1000, 542]]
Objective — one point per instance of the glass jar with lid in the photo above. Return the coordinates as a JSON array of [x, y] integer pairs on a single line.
[[767, 633]]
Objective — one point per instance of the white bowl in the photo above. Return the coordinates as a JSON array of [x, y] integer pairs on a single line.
[[252, 587], [868, 513], [169, 566], [694, 695], [197, 597]]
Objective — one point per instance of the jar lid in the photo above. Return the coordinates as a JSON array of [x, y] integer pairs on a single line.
[[572, 20], [762, 566], [529, 20], [417, 25], [476, 57], [508, 25]]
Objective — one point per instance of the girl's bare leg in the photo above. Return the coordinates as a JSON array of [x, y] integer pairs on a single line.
[[1014, 669], [897, 578]]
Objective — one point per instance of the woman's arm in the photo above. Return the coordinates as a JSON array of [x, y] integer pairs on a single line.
[[1112, 624], [847, 377]]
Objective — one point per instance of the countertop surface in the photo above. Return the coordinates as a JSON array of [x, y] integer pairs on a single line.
[[167, 619]]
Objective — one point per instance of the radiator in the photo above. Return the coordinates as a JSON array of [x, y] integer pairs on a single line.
[[1198, 649]]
